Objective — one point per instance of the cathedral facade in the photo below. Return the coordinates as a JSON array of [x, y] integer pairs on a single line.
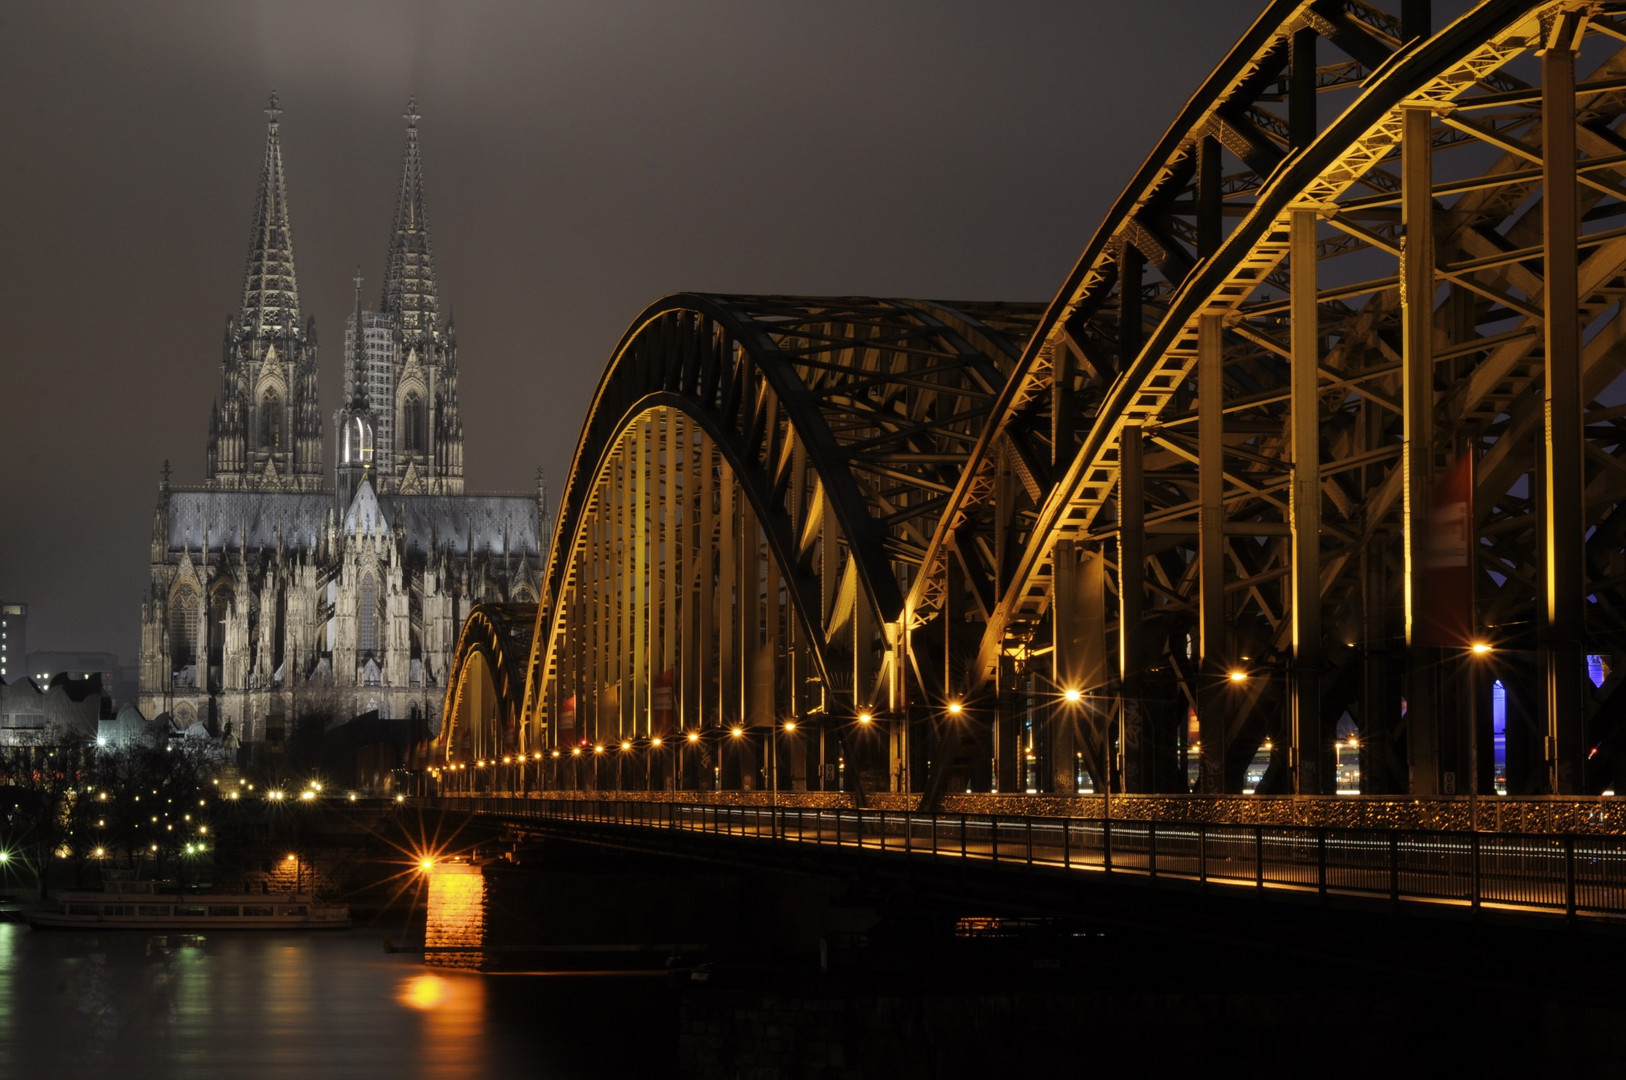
[[278, 590]]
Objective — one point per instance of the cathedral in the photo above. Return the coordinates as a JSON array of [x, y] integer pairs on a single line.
[[278, 591]]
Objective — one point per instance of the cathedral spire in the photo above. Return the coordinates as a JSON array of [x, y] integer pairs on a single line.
[[358, 359], [270, 289], [409, 271]]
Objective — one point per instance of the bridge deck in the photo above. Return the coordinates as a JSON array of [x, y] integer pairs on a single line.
[[1565, 875]]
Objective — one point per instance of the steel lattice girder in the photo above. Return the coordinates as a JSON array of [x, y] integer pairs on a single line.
[[842, 422], [1368, 281], [494, 644], [1481, 123]]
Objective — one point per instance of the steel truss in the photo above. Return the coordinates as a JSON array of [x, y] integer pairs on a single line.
[[482, 719], [1204, 489]]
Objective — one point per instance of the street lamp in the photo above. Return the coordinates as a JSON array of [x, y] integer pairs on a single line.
[[1477, 649]]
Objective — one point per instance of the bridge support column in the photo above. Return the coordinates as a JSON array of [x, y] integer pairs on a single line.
[[1417, 449], [1132, 740], [1307, 743], [1213, 717], [1563, 624]]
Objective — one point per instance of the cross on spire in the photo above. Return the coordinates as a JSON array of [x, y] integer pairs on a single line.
[[273, 110], [412, 115]]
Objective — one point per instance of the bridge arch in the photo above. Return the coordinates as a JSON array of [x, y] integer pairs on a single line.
[[1299, 428], [1258, 379], [485, 689], [751, 489]]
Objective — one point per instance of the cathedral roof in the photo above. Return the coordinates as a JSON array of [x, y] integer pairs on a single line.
[[409, 270], [453, 519], [256, 517], [444, 521], [270, 289], [364, 515]]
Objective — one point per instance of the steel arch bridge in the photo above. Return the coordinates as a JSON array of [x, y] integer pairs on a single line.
[[1333, 394]]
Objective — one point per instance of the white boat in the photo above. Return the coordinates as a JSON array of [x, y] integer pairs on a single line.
[[130, 909]]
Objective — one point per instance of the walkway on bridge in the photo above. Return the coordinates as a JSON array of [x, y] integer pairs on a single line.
[[1565, 874]]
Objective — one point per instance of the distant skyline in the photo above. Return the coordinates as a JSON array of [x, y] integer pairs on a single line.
[[581, 160]]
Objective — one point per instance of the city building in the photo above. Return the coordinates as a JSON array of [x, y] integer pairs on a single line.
[[13, 639], [278, 592], [118, 675], [63, 713]]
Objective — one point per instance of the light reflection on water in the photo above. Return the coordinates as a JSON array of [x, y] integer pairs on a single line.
[[334, 1004]]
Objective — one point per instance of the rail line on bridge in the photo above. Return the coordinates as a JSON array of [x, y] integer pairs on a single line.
[[1566, 875]]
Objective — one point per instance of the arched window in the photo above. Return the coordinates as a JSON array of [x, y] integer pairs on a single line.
[[271, 421], [367, 616], [219, 611], [183, 628], [414, 424], [358, 442]]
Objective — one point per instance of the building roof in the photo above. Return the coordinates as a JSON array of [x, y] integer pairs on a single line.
[[443, 521]]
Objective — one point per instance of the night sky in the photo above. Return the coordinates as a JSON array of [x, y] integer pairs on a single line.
[[581, 160]]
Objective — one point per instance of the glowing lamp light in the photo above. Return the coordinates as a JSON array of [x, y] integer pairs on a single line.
[[556, 753], [790, 725], [694, 736], [575, 751], [599, 749], [1073, 695], [1238, 676], [655, 742], [865, 718], [737, 732], [955, 708], [625, 745], [426, 865], [1480, 648]]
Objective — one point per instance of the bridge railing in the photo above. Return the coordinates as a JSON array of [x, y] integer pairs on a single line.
[[1566, 874]]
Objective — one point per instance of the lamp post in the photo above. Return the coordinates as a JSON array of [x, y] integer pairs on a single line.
[[689, 740], [1479, 650]]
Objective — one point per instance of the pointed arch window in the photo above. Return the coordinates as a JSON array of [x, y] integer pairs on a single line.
[[271, 421], [414, 423], [358, 442], [183, 628], [367, 616]]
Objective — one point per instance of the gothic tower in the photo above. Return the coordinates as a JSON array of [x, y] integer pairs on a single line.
[[426, 451], [357, 424], [265, 431]]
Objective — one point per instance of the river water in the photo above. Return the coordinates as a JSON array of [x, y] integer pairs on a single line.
[[311, 1006]]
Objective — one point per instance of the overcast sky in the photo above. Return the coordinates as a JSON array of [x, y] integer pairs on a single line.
[[580, 159]]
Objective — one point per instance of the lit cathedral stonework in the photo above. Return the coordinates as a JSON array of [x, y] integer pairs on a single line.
[[273, 594]]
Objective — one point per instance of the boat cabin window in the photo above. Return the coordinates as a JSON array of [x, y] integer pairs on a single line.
[[222, 909], [84, 909], [154, 909], [118, 909], [189, 909], [256, 909], [298, 910]]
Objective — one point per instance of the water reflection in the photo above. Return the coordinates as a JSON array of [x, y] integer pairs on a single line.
[[312, 1006]]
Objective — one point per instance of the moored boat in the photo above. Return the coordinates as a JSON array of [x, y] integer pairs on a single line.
[[183, 911]]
